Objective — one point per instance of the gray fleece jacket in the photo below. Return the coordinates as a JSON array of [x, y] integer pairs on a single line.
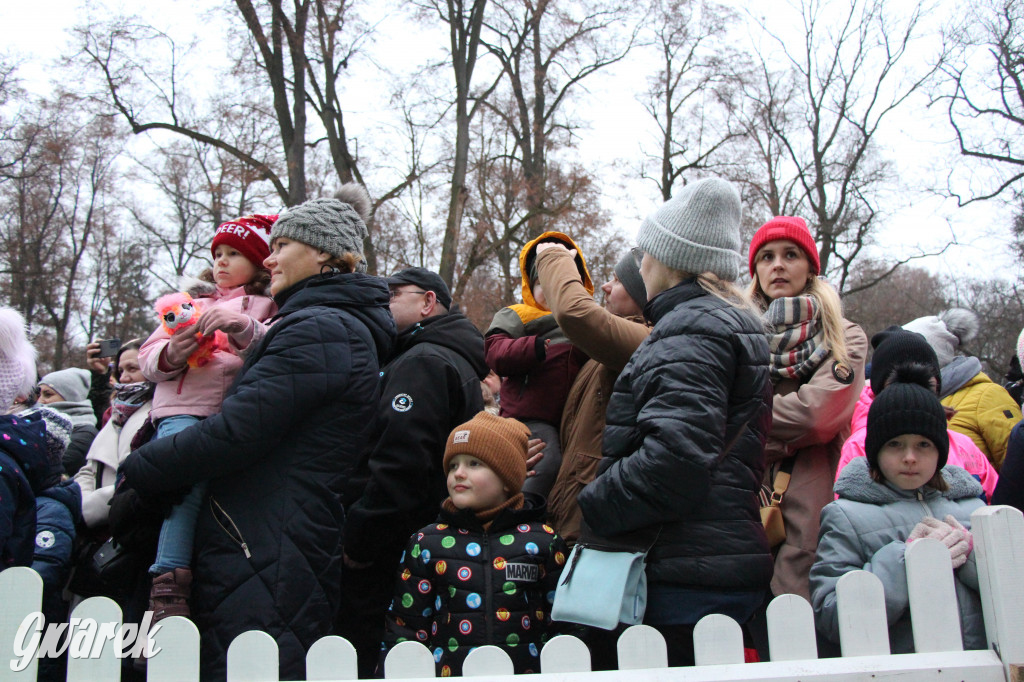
[[867, 528]]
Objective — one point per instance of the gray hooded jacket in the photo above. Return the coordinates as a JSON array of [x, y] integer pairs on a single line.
[[867, 529]]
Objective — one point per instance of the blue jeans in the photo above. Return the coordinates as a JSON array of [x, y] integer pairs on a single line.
[[178, 532]]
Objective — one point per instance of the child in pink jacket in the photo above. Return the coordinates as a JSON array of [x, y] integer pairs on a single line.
[[232, 297], [896, 348]]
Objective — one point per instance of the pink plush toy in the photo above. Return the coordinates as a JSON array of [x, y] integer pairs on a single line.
[[179, 310]]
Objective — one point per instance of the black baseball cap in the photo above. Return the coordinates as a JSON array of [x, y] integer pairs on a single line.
[[424, 279]]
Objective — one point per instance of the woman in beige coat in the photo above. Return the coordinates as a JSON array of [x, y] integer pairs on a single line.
[[132, 400], [817, 367]]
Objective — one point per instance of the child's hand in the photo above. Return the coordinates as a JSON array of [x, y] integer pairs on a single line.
[[180, 346], [534, 454], [960, 551], [226, 321]]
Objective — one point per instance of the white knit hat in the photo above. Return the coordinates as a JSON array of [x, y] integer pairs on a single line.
[[946, 332], [698, 230], [17, 359]]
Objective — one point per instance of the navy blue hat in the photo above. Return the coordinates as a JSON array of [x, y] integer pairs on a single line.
[[424, 279]]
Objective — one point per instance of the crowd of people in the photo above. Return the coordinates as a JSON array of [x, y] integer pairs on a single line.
[[305, 449]]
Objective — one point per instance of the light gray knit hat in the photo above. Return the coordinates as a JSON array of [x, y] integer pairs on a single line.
[[947, 331], [72, 383], [698, 230], [336, 226]]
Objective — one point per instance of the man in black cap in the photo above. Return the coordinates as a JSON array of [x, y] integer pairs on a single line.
[[431, 384]]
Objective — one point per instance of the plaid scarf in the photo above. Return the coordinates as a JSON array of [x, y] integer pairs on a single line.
[[127, 399], [797, 344]]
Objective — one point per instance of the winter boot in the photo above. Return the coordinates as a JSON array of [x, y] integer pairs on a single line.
[[169, 594]]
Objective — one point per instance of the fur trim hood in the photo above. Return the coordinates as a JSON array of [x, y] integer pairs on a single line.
[[855, 483]]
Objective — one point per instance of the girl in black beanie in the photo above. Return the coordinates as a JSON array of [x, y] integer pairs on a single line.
[[901, 491]]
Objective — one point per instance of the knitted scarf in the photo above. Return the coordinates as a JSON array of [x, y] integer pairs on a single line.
[[485, 516], [127, 399], [797, 340]]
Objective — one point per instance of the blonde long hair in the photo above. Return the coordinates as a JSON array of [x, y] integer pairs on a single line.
[[831, 308]]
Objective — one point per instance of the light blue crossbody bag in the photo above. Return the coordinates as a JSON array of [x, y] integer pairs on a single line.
[[603, 584]]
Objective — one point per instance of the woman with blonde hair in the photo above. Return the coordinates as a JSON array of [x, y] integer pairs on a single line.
[[687, 422], [817, 369]]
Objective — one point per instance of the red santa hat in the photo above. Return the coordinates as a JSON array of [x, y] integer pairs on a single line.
[[249, 235]]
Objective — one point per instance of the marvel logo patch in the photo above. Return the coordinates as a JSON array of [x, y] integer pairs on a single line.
[[523, 573], [460, 437]]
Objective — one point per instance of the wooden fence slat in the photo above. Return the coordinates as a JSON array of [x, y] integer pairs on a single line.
[[21, 594], [408, 660], [487, 661], [791, 629], [934, 611], [641, 646], [96, 613], [565, 654], [331, 658], [999, 553], [863, 628], [178, 657], [717, 640], [253, 657]]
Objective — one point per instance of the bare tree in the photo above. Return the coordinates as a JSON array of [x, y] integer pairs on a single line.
[[56, 199], [985, 94], [546, 51], [296, 55], [816, 120], [691, 96], [465, 19]]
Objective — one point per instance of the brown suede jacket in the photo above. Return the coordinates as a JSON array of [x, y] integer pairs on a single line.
[[609, 340]]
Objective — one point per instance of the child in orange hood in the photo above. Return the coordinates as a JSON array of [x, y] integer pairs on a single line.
[[526, 346]]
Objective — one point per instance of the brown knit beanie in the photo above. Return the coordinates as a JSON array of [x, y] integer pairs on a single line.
[[499, 442]]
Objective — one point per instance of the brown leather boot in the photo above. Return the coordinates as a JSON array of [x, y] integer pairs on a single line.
[[169, 594]]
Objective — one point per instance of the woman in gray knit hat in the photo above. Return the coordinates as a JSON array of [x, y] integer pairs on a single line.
[[268, 544], [686, 424]]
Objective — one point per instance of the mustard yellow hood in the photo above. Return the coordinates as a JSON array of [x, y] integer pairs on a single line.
[[528, 253]]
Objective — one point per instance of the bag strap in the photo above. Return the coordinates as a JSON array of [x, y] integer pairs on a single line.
[[782, 479]]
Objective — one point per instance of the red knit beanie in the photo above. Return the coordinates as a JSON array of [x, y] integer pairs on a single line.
[[249, 235], [786, 227]]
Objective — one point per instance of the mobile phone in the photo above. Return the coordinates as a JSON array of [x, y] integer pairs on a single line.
[[109, 348]]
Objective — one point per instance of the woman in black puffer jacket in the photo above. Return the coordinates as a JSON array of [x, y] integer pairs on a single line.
[[687, 422], [268, 546]]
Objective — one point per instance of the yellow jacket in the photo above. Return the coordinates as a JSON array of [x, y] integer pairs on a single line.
[[986, 413]]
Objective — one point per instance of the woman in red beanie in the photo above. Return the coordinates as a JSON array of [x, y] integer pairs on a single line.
[[817, 368]]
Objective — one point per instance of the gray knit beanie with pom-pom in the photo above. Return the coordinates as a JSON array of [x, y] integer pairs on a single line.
[[336, 226]]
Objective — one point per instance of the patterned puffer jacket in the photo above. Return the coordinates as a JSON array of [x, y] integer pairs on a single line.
[[462, 587]]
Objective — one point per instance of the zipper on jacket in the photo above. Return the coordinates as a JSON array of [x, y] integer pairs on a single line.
[[488, 588], [237, 535], [181, 381], [920, 498]]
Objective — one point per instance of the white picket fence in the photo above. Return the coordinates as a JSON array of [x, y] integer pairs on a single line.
[[999, 544]]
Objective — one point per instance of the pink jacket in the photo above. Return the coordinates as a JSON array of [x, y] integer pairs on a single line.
[[199, 391], [962, 450]]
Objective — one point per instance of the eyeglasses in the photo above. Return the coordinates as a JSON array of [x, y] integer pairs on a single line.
[[395, 293]]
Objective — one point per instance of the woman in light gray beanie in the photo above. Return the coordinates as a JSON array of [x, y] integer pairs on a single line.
[[692, 406], [67, 391]]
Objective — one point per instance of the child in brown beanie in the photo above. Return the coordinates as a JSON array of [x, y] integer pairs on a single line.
[[489, 564]]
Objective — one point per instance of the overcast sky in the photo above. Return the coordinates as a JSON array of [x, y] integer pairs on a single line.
[[35, 32]]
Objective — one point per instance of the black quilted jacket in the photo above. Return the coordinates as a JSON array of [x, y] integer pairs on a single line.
[[269, 535], [684, 444], [462, 587]]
